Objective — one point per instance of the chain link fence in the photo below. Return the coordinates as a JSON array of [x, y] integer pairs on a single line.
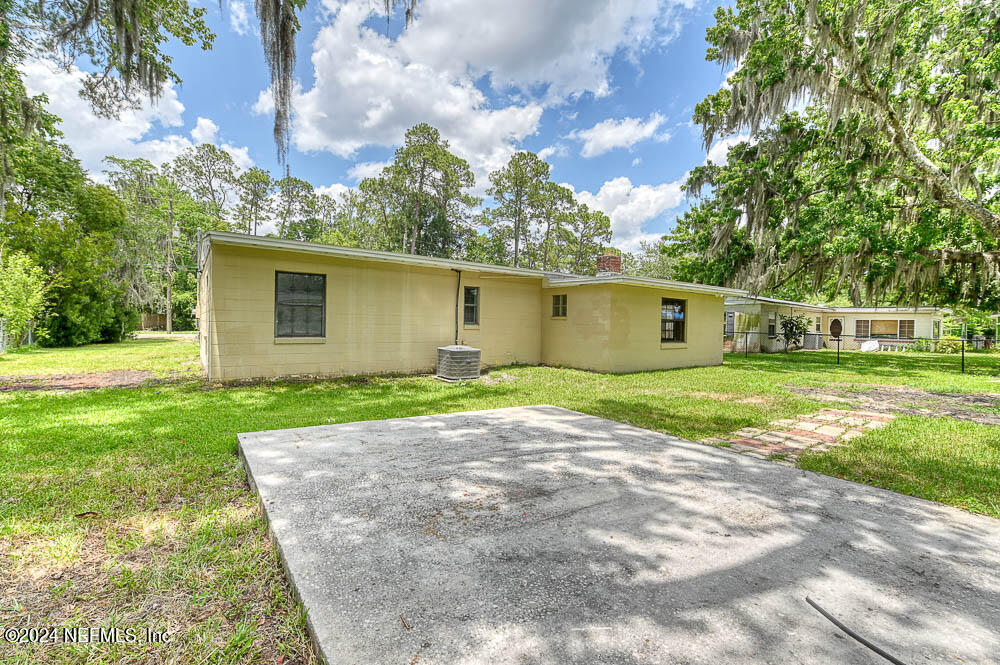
[[838, 348]]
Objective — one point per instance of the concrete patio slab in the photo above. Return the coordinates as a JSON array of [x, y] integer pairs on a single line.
[[541, 535]]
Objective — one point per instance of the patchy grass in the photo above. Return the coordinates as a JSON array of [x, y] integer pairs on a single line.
[[934, 372], [940, 459], [129, 507], [162, 356]]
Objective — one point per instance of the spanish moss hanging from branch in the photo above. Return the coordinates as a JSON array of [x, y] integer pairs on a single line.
[[279, 24]]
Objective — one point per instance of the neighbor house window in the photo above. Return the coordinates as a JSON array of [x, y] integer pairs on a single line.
[[937, 329], [472, 305], [885, 328], [672, 320], [772, 325], [730, 323], [559, 305], [299, 305], [862, 328], [819, 326], [906, 328]]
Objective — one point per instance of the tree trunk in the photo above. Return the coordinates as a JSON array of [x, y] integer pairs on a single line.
[[170, 269]]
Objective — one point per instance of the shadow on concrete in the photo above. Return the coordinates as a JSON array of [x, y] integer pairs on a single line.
[[541, 535]]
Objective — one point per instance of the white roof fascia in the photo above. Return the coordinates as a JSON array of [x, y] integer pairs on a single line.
[[647, 282], [750, 300], [891, 310], [243, 240]]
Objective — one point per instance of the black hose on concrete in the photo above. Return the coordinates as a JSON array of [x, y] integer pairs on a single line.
[[888, 657]]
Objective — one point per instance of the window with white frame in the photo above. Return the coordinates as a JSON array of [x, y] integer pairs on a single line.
[[862, 328], [906, 328], [937, 329], [730, 326], [772, 325]]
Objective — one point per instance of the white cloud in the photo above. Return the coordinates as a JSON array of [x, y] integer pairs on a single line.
[[636, 162], [630, 206], [239, 17], [264, 104], [93, 138], [363, 170], [369, 89], [205, 131], [556, 49], [368, 92], [556, 150], [336, 190], [240, 155], [719, 152], [625, 133]]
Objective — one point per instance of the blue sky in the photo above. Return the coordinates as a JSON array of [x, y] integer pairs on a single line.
[[604, 91]]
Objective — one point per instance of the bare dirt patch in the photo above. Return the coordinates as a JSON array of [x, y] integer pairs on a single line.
[[727, 397], [495, 378], [971, 407], [128, 378]]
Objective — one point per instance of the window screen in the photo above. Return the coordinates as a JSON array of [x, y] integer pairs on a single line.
[[937, 329], [772, 325], [299, 305], [472, 305], [885, 328], [730, 323], [672, 320], [906, 328], [559, 305], [862, 328]]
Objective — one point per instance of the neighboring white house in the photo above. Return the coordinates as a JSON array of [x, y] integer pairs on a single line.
[[898, 326]]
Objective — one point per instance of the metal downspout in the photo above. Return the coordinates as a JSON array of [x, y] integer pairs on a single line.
[[458, 292]]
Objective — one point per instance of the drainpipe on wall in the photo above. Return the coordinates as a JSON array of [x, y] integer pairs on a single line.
[[458, 293]]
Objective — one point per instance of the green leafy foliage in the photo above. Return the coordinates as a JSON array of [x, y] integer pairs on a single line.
[[885, 186], [23, 286], [793, 329]]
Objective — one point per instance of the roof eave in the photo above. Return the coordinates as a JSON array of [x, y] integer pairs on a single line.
[[647, 283], [243, 240]]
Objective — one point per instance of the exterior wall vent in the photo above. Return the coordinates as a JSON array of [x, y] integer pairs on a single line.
[[457, 362]]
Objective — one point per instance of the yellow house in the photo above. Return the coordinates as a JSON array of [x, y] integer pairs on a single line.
[[272, 307]]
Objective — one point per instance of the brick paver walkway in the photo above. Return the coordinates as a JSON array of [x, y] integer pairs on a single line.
[[789, 437]]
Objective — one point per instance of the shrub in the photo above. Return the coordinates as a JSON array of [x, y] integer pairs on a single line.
[[793, 329], [948, 345]]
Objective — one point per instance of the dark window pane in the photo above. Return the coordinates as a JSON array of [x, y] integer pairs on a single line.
[[672, 315], [471, 305], [559, 305], [299, 305]]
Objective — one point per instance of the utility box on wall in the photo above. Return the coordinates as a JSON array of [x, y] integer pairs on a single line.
[[457, 362]]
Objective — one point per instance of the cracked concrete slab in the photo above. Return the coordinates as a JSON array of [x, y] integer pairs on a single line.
[[542, 535]]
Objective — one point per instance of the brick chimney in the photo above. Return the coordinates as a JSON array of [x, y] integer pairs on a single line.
[[609, 264]]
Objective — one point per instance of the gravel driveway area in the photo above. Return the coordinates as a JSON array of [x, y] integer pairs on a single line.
[[542, 535]]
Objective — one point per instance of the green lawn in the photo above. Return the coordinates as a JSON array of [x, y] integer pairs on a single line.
[[130, 504], [941, 459], [161, 356]]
